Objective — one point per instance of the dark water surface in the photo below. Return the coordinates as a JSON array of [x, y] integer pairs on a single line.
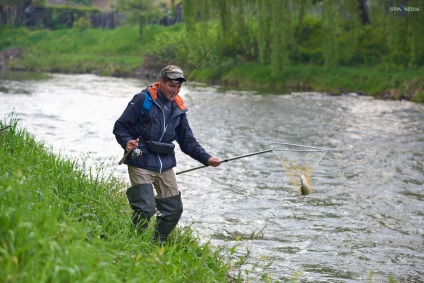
[[364, 219]]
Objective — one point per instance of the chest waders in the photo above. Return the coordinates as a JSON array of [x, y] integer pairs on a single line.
[[144, 204], [142, 201], [169, 213]]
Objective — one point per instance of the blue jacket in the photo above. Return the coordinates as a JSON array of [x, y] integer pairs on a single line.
[[133, 122]]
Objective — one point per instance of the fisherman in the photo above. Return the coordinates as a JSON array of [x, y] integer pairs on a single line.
[[153, 119]]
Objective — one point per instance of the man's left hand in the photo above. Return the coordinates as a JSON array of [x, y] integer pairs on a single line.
[[214, 161]]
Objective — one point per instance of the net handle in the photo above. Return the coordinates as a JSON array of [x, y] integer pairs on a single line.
[[310, 148], [226, 160]]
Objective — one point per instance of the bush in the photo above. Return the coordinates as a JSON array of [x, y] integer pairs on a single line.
[[59, 16], [82, 23]]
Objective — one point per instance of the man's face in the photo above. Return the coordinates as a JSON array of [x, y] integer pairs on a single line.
[[170, 89]]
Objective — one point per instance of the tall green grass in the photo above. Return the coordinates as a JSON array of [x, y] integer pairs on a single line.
[[61, 222]]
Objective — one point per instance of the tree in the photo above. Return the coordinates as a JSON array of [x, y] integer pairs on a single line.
[[281, 30], [397, 37], [416, 31], [330, 28], [141, 12], [190, 12], [12, 12], [363, 13], [264, 30]]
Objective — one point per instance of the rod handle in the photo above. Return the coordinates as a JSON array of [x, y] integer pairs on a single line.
[[124, 157]]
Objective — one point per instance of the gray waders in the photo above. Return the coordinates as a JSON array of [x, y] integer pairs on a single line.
[[142, 201], [169, 213]]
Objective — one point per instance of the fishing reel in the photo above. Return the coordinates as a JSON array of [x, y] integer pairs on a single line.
[[136, 153]]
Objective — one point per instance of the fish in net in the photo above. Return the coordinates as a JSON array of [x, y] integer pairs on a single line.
[[299, 162]]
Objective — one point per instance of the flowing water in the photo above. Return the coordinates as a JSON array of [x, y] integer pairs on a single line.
[[364, 219]]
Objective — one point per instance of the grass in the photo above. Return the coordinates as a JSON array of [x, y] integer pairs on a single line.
[[105, 52], [61, 222], [373, 81]]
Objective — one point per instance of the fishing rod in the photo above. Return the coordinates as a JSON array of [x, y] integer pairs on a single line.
[[2, 129], [226, 160], [198, 63], [219, 38], [137, 151]]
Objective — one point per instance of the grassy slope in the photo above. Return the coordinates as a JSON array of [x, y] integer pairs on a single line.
[[60, 224]]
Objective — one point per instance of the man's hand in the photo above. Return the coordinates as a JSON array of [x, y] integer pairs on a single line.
[[131, 144], [214, 161]]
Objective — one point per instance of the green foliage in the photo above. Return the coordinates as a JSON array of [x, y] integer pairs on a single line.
[[107, 52], [278, 33], [302, 36], [64, 16], [82, 23], [192, 36], [64, 222], [281, 27], [380, 82], [419, 97], [263, 32], [416, 30], [309, 42], [399, 50], [169, 44], [141, 12], [331, 30], [371, 48], [12, 37]]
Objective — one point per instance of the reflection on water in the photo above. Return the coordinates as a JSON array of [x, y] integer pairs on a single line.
[[365, 213]]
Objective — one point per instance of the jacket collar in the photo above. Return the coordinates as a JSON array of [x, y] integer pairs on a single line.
[[153, 90]]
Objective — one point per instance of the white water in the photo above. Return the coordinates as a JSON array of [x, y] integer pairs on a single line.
[[365, 213]]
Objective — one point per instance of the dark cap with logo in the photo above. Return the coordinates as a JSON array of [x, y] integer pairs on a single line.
[[173, 73]]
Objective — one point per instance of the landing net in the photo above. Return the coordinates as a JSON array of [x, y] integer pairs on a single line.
[[298, 160]]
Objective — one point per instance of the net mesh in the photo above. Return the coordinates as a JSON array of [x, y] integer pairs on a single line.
[[298, 160]]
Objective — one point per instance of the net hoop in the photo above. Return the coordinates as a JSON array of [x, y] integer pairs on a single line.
[[294, 147], [298, 160]]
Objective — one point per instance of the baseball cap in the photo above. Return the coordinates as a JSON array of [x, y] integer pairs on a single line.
[[173, 72]]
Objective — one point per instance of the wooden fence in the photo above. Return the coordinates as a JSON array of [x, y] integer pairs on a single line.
[[52, 17]]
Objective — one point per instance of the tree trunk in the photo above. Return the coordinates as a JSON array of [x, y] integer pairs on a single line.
[[363, 13]]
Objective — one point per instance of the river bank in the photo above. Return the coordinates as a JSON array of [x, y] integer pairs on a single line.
[[60, 222], [120, 53], [349, 226], [379, 83]]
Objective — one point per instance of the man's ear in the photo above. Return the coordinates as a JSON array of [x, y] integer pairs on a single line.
[[162, 81]]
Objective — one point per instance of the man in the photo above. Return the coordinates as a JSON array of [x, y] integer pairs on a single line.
[[152, 120]]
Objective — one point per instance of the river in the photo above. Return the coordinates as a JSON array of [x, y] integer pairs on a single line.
[[364, 219]]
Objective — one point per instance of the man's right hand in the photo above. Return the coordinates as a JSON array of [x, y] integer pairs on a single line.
[[214, 161], [131, 144]]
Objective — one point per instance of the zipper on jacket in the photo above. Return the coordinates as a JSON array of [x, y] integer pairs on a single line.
[[160, 161], [163, 133], [164, 130]]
